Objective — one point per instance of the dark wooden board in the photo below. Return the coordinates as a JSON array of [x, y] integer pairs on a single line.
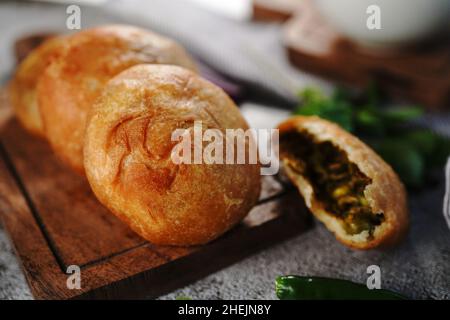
[[274, 10], [419, 74], [54, 221]]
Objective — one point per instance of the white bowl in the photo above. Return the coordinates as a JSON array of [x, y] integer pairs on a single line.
[[403, 22]]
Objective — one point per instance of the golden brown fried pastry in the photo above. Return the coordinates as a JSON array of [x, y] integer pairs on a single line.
[[128, 162], [70, 85], [345, 184], [22, 89]]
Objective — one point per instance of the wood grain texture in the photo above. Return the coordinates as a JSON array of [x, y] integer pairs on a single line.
[[419, 74], [54, 221], [274, 10]]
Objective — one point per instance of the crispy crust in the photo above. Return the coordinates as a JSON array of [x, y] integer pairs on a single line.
[[385, 194], [70, 85], [22, 89], [127, 156]]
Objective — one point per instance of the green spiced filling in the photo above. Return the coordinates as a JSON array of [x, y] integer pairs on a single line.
[[337, 183]]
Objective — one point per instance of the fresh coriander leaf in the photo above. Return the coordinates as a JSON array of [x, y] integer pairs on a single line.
[[369, 122], [434, 148], [405, 159], [340, 95], [441, 152], [424, 141], [372, 94], [311, 95], [341, 115], [314, 103], [409, 150], [403, 114]]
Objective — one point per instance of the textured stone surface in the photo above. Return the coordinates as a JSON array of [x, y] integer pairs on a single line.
[[12, 281]]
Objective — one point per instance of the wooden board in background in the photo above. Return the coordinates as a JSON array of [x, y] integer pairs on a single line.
[[419, 74], [274, 10], [54, 221]]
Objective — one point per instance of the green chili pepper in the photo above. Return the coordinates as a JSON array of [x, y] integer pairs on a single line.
[[316, 288]]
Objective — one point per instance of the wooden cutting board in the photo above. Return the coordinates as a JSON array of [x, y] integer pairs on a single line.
[[54, 221]]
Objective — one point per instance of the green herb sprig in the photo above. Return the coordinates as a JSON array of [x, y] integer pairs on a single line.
[[409, 149]]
